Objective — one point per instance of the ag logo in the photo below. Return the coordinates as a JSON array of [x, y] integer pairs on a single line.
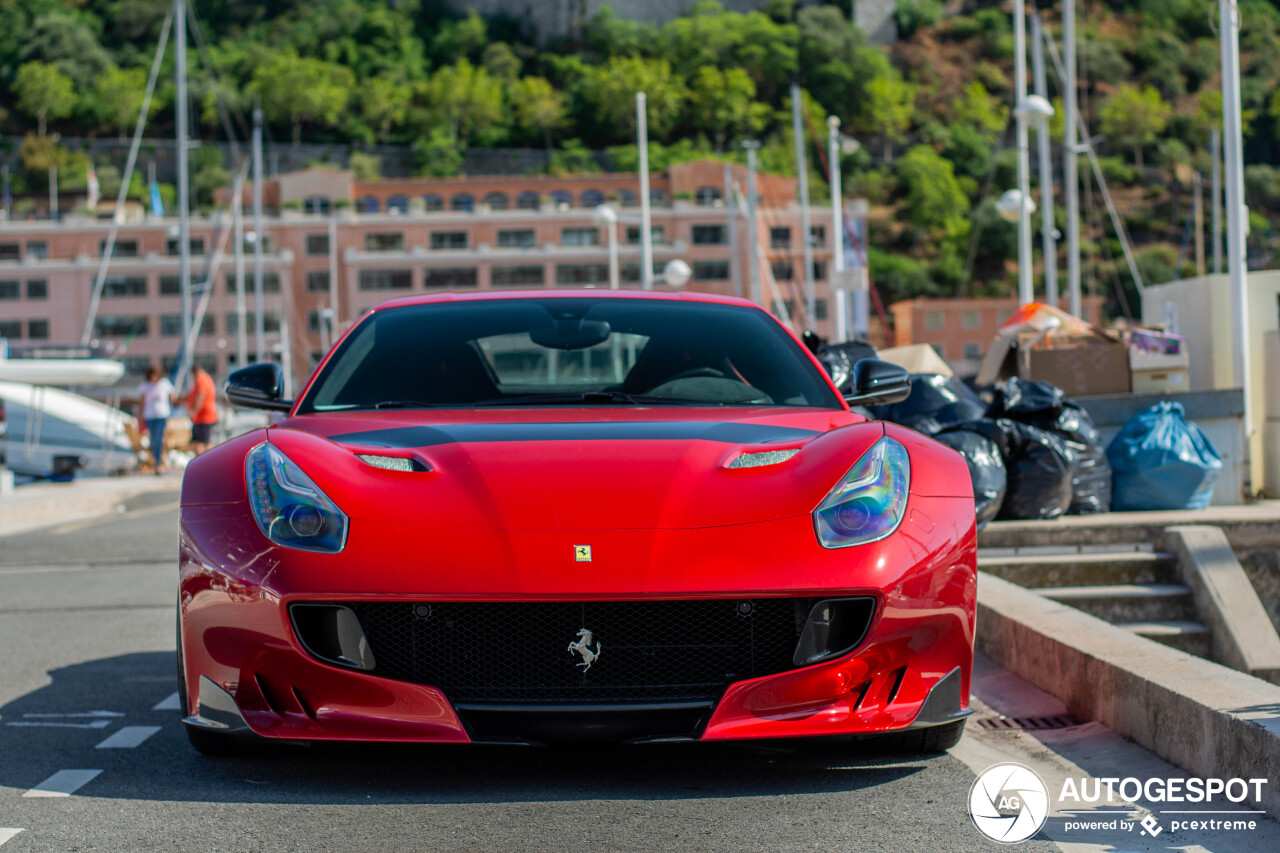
[[1008, 803]]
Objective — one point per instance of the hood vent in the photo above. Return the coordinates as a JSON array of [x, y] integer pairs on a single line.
[[762, 458], [392, 463]]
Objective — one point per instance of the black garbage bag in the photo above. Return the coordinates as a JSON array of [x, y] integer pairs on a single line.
[[986, 469], [839, 359], [936, 402], [1042, 405], [1038, 465]]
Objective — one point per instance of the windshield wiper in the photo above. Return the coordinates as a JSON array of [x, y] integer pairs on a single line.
[[590, 397], [403, 404]]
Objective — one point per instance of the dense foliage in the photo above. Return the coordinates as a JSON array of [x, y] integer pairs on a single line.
[[932, 113]]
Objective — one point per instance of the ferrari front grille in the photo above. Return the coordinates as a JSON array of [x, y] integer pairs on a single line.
[[595, 652]]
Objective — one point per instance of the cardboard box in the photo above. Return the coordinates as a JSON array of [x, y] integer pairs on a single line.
[[1093, 366], [1160, 381]]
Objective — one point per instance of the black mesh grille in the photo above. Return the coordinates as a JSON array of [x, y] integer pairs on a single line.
[[518, 653]]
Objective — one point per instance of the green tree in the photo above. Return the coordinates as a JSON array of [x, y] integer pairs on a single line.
[[723, 104], [934, 202], [1134, 117], [365, 167], [982, 111], [384, 102], [888, 110], [117, 97], [44, 92], [465, 98], [299, 89], [208, 173], [610, 90], [539, 107], [501, 61]]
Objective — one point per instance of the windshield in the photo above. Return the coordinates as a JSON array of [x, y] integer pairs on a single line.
[[567, 351]]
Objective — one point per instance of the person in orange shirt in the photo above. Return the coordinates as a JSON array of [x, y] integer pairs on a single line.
[[202, 403]]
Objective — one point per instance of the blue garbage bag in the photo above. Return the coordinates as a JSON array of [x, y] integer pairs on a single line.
[[1160, 460]]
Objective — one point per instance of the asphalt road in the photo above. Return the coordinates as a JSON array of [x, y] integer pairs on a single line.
[[87, 640]]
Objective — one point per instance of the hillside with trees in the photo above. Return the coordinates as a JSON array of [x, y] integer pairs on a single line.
[[931, 113]]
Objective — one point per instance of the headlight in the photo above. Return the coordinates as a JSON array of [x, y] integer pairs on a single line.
[[290, 509], [868, 503]]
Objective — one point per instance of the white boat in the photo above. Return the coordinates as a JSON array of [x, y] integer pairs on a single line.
[[61, 371], [50, 431]]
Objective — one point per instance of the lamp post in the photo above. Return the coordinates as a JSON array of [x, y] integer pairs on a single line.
[[607, 217], [1026, 291], [837, 231], [1017, 205]]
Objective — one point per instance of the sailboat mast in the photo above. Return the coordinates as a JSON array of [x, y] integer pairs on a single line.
[[184, 202]]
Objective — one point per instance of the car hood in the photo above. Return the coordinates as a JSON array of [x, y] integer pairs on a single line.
[[577, 468]]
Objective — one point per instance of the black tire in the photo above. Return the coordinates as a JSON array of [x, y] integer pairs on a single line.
[[209, 743]]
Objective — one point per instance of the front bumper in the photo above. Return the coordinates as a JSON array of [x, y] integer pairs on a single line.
[[912, 668]]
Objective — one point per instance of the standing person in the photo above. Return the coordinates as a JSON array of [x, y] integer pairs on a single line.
[[202, 405], [157, 404]]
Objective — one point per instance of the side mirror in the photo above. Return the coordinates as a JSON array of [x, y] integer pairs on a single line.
[[878, 383], [258, 386]]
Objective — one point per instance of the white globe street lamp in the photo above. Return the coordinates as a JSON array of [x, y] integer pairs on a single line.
[[1012, 203]]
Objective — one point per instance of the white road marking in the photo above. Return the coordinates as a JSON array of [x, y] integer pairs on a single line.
[[64, 783], [96, 724], [105, 519], [6, 834], [168, 704], [128, 737], [77, 714]]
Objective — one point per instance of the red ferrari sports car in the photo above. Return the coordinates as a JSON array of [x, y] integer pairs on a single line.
[[539, 517]]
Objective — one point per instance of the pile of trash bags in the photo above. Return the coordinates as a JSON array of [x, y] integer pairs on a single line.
[[1163, 461], [1032, 454]]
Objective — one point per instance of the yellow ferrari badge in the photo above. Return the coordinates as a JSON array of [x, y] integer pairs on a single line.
[[582, 553]]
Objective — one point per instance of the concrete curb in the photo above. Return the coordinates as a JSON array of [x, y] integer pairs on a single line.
[[32, 507], [1207, 719]]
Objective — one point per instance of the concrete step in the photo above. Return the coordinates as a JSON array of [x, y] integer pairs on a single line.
[[1191, 637], [1080, 569], [1140, 602]]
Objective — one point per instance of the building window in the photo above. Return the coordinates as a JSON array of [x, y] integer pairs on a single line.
[[818, 236], [37, 330], [37, 288], [782, 270], [449, 277], [630, 271], [582, 273], [561, 199], [711, 270], [317, 281], [628, 198], [657, 233], [941, 349], [317, 244], [462, 203], [780, 238], [270, 322], [590, 198], [122, 249], [10, 252], [115, 286], [171, 246], [498, 201], [171, 325], [11, 329], [367, 204], [444, 240], [169, 284], [819, 270], [135, 325], [819, 309], [398, 204], [708, 235], [389, 241], [970, 320], [270, 282], [37, 250], [386, 279], [523, 275], [933, 320], [708, 197], [313, 321], [973, 351], [521, 238], [658, 198], [432, 203], [528, 200], [317, 204], [10, 290], [249, 243], [580, 237]]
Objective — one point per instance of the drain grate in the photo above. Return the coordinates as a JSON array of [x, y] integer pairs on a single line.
[[1003, 723]]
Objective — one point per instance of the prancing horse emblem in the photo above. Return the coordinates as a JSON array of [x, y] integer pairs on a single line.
[[583, 647]]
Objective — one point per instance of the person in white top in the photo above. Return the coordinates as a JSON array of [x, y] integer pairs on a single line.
[[157, 398]]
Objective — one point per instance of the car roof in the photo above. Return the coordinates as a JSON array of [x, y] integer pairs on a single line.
[[576, 293]]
